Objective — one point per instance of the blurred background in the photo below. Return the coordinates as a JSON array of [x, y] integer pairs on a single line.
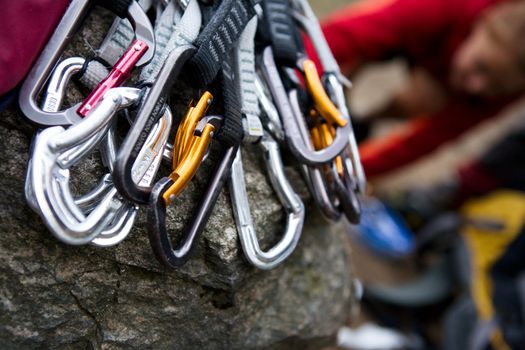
[[374, 85]]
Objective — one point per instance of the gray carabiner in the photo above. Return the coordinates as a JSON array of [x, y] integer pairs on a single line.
[[336, 87], [52, 101], [74, 209], [55, 214], [333, 78], [292, 121], [151, 155], [271, 116], [37, 77], [324, 200]]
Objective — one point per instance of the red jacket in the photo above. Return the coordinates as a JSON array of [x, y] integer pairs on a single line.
[[427, 33], [25, 26]]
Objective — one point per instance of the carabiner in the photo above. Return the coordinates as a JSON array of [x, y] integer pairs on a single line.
[[271, 116], [191, 145], [336, 87], [291, 202], [120, 72], [254, 132], [346, 190], [159, 238], [339, 177], [50, 180], [153, 104], [52, 101], [150, 157], [143, 171], [325, 200], [167, 188], [74, 15], [322, 102], [146, 118], [334, 80], [293, 119]]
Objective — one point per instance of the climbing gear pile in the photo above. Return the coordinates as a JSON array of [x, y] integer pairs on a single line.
[[255, 85]]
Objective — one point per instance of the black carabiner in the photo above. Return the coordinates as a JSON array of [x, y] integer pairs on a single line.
[[344, 188], [148, 114], [193, 139], [156, 214]]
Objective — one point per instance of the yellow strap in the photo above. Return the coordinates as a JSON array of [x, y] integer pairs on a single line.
[[486, 247]]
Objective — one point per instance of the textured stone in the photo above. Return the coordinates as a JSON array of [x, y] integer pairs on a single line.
[[58, 296]]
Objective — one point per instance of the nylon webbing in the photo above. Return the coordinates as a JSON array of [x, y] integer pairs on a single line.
[[245, 68], [230, 134], [282, 30], [217, 39], [94, 73], [185, 32], [118, 7]]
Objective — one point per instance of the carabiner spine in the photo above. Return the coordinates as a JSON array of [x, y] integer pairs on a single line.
[[290, 200]]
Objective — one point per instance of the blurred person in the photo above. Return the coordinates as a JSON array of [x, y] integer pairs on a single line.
[[502, 166], [467, 60], [492, 188], [487, 195]]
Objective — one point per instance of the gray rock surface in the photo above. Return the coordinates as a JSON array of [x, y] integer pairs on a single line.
[[58, 296]]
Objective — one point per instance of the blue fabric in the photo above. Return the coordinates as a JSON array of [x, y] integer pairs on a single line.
[[383, 230]]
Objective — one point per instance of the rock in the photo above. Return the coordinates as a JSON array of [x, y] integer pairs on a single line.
[[58, 296]]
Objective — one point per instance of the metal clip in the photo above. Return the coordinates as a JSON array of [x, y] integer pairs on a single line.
[[291, 202], [119, 73], [334, 79], [186, 163], [52, 102], [338, 177], [50, 181], [293, 120], [191, 145], [144, 122], [74, 15]]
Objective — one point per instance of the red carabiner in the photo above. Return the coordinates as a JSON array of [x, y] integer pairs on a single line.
[[119, 73]]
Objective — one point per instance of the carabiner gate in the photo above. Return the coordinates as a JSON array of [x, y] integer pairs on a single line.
[[164, 191]]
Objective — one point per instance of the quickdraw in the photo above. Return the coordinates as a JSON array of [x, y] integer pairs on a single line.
[[215, 48]]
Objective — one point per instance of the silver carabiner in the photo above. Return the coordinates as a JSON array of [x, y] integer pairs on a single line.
[[50, 180], [52, 101], [294, 207], [249, 86]]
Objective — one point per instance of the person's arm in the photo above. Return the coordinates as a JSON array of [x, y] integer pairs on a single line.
[[422, 136], [379, 29]]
